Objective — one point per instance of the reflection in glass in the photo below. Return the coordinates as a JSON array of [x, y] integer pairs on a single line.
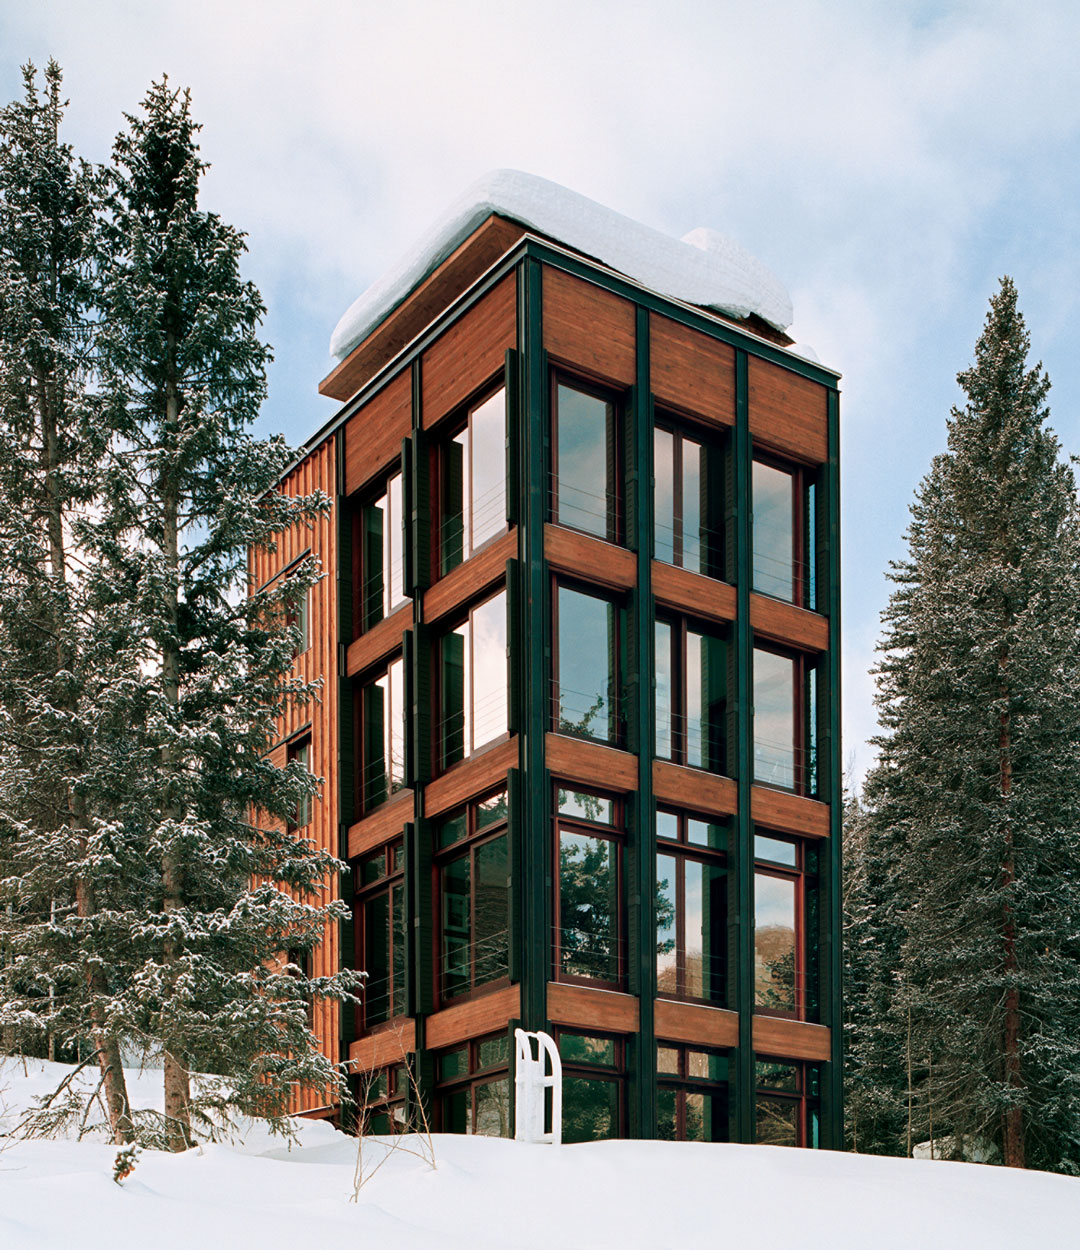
[[384, 954], [687, 495], [774, 719], [774, 942], [588, 907], [383, 589], [664, 494], [474, 483], [587, 678], [383, 703], [774, 532], [665, 713], [590, 1109], [706, 679], [777, 1121], [585, 438], [667, 954], [473, 681], [691, 929]]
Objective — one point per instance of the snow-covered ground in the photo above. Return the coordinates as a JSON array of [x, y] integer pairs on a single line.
[[489, 1193]]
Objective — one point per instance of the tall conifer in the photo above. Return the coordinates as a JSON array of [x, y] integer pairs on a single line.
[[973, 809]]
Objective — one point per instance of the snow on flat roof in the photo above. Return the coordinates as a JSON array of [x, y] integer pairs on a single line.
[[703, 268]]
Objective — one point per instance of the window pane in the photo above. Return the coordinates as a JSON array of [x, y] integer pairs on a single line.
[[667, 1114], [488, 672], [667, 969], [377, 959], [590, 1109], [491, 958], [492, 1117], [454, 699], [456, 925], [692, 510], [779, 1076], [667, 1059], [667, 826], [397, 921], [453, 1064], [586, 679], [395, 546], [585, 438], [706, 1065], [588, 906], [774, 719], [706, 679], [706, 930], [454, 475], [706, 833], [777, 1122], [774, 942], [457, 1111], [452, 830], [774, 537], [395, 739], [664, 472], [371, 592], [576, 1048], [585, 806], [488, 424], [665, 729], [491, 811], [775, 850], [493, 1050]]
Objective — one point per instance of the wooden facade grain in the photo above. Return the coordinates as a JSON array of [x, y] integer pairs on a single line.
[[390, 1045], [379, 643], [788, 413], [690, 787], [568, 551], [696, 1024], [583, 1007], [470, 778], [702, 597], [484, 571], [588, 328], [690, 371], [791, 1039], [384, 824], [790, 813], [373, 434], [784, 623], [486, 1013], [590, 763]]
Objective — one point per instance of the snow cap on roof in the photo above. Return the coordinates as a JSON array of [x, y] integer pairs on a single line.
[[703, 268]]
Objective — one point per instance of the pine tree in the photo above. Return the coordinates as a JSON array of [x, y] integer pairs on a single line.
[[56, 854], [973, 808], [188, 493]]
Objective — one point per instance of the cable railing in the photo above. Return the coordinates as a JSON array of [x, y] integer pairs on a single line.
[[693, 740], [377, 590], [785, 765], [465, 965], [586, 714], [382, 777], [590, 951], [699, 548], [778, 577], [591, 511], [463, 730]]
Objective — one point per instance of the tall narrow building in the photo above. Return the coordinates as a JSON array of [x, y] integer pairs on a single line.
[[579, 641]]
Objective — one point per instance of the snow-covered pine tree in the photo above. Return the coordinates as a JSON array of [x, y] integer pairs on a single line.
[[973, 810], [58, 879], [188, 492]]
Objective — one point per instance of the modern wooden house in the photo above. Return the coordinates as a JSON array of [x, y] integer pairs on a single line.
[[579, 639]]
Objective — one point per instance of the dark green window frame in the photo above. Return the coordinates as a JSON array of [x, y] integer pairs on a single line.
[[787, 971], [687, 844], [594, 1084], [693, 1097], [472, 1091], [577, 501], [787, 1102], [379, 928], [688, 461]]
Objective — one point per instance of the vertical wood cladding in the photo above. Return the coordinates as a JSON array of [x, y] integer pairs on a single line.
[[469, 352], [691, 371], [373, 434], [319, 662], [589, 327], [788, 413]]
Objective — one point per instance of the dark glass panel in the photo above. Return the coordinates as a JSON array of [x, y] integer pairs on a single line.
[[397, 943], [371, 592], [590, 1109], [706, 833], [457, 1111], [584, 806], [667, 1114], [373, 868], [774, 942], [493, 1051], [453, 1064], [774, 719], [588, 906], [454, 469], [778, 1076], [706, 680], [664, 475], [587, 680], [377, 959], [774, 532], [452, 830], [491, 811], [491, 923], [492, 1117], [667, 957], [453, 695], [585, 438], [705, 922], [777, 1122], [456, 925], [597, 1051], [665, 716]]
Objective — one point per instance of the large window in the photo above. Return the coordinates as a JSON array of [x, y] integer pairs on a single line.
[[691, 908], [786, 970], [380, 1096], [381, 552], [785, 712], [594, 1077], [474, 897], [382, 734], [472, 681], [787, 1100], [692, 1094], [688, 498], [299, 752], [587, 685], [473, 1092], [691, 689], [785, 521], [472, 482], [588, 904], [586, 477], [380, 934]]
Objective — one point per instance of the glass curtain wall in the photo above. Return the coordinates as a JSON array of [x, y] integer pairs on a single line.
[[380, 929], [589, 934], [473, 483], [473, 1091], [594, 1070], [784, 533], [786, 968], [692, 1094], [787, 1103]]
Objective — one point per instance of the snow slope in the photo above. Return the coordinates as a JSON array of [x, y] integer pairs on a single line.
[[487, 1193], [704, 267]]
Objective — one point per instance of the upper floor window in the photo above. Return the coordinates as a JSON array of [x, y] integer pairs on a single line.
[[588, 671], [380, 934], [785, 714], [588, 905], [299, 752], [472, 482], [688, 498], [785, 927], [691, 908], [691, 694], [472, 863], [785, 522], [787, 1103], [692, 1094], [298, 617], [473, 682], [382, 735], [586, 461], [381, 552]]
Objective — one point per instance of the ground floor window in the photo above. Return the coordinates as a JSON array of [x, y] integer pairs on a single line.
[[380, 933], [594, 1086], [473, 1092], [692, 1094], [788, 1103], [381, 1097]]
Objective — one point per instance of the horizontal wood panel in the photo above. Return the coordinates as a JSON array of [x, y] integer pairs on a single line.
[[454, 276], [783, 622], [590, 763], [385, 822], [587, 1008], [469, 352], [373, 434], [791, 1039], [477, 573], [379, 1050], [695, 1024], [589, 327], [788, 413], [487, 1013], [691, 788], [589, 558], [703, 597], [470, 778], [691, 370], [789, 812], [379, 641]]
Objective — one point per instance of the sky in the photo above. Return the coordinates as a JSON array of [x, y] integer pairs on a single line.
[[889, 162]]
